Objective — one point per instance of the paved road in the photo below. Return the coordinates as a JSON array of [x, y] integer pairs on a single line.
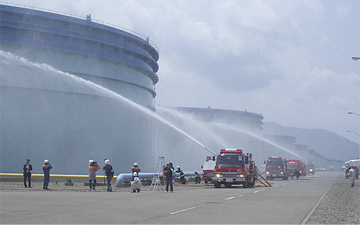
[[287, 202]]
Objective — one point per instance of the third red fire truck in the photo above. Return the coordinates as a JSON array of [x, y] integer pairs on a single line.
[[234, 167], [295, 166]]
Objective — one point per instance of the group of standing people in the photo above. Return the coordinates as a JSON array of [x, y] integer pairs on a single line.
[[169, 171], [27, 173], [109, 172]]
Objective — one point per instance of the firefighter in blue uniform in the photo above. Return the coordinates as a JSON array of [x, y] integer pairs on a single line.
[[197, 177], [182, 175]]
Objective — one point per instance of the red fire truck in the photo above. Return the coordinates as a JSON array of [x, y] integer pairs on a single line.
[[208, 169], [276, 167], [295, 166], [234, 167]]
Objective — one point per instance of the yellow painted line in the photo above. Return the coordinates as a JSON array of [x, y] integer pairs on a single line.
[[54, 176]]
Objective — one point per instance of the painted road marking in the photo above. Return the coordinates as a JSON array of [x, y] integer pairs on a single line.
[[229, 198], [258, 191], [183, 210]]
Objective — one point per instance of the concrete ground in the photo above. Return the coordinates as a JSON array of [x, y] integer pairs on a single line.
[[321, 199]]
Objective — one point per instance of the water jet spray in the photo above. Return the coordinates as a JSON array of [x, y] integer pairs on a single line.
[[105, 91]]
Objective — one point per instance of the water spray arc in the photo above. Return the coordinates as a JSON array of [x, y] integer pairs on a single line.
[[108, 93], [265, 140], [137, 106]]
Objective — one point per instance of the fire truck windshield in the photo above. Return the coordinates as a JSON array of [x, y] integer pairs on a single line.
[[293, 166], [234, 161], [274, 164]]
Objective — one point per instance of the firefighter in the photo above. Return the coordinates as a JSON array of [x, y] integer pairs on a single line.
[[352, 175], [93, 167], [46, 168], [197, 177], [169, 177], [136, 183], [27, 172], [256, 171], [135, 170], [109, 172], [182, 175]]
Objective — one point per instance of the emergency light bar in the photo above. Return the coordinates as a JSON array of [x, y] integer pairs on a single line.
[[230, 150]]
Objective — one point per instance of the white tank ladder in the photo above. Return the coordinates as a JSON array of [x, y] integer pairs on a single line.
[[158, 173]]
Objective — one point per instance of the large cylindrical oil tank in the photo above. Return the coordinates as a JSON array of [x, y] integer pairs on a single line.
[[47, 114]]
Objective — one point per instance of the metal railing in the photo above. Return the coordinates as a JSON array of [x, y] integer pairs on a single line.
[[147, 39]]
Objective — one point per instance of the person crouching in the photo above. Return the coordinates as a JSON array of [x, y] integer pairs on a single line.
[[136, 183]]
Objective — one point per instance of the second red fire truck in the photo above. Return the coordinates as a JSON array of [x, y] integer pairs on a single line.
[[276, 167]]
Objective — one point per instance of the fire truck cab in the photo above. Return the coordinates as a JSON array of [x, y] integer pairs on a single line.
[[234, 167], [276, 167], [296, 165]]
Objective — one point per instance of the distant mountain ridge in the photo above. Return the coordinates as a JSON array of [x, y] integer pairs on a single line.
[[324, 142]]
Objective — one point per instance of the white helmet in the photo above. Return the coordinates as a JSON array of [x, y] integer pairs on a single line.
[[135, 164], [135, 174], [178, 167], [90, 161], [107, 161], [46, 161], [195, 171]]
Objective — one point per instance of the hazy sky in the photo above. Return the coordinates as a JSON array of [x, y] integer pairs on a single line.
[[287, 60]]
